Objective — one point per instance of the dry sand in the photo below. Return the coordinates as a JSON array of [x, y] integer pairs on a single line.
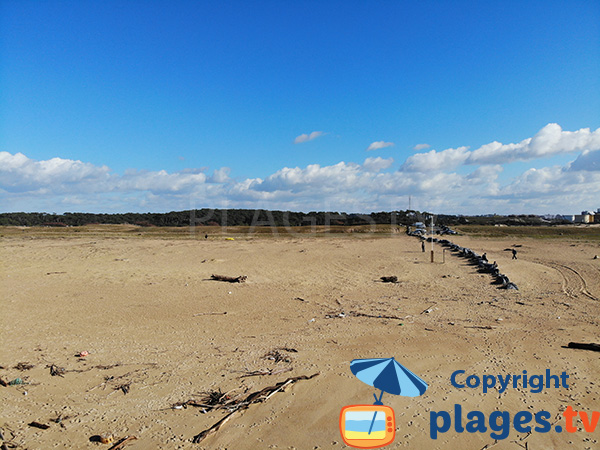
[[143, 309]]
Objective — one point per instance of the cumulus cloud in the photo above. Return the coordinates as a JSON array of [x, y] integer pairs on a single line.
[[313, 176], [308, 137], [421, 147], [378, 145], [588, 160], [19, 173], [220, 175], [377, 164], [435, 161], [549, 141], [455, 180]]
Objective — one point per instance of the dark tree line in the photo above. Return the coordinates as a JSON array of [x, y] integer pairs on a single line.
[[229, 217], [257, 217]]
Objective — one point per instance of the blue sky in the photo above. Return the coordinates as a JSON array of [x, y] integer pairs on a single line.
[[157, 106]]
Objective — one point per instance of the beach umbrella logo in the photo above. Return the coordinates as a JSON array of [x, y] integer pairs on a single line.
[[374, 426]]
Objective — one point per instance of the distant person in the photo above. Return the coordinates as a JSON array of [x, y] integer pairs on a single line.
[[206, 236], [514, 252], [423, 246], [484, 257]]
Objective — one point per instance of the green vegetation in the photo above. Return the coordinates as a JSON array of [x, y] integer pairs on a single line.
[[211, 217], [260, 218], [579, 232]]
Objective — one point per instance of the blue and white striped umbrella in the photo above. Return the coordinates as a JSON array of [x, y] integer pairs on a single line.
[[389, 376]]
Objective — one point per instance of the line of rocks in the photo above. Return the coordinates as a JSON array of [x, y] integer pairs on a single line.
[[484, 266]]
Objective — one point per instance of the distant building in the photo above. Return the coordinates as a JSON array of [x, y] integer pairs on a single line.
[[569, 217], [584, 217]]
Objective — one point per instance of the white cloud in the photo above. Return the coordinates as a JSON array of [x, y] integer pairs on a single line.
[[220, 175], [314, 176], [377, 164], [20, 173], [378, 145], [308, 137], [421, 147], [587, 160], [158, 182], [435, 161], [549, 141], [431, 178]]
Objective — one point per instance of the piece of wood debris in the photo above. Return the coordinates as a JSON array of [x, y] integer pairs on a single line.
[[428, 310], [210, 314], [124, 388], [392, 279], [24, 366], [373, 316], [591, 346], [123, 442], [240, 279], [57, 371], [288, 349], [255, 397], [276, 356], [256, 373], [41, 426]]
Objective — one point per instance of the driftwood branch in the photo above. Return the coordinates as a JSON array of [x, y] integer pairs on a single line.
[[210, 314], [255, 397], [373, 316], [257, 373], [240, 279], [392, 279], [428, 310], [123, 442], [582, 346], [57, 371]]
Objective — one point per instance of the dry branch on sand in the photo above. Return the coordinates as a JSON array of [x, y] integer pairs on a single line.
[[256, 373], [255, 397], [591, 346], [240, 279], [123, 442], [56, 371], [392, 279], [24, 366], [336, 315], [215, 399], [277, 356]]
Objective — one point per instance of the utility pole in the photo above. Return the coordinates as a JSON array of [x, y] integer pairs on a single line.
[[432, 238]]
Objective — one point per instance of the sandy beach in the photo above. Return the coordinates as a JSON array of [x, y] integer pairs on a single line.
[[159, 333]]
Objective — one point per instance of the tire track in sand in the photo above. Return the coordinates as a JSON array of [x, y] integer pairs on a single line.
[[573, 282]]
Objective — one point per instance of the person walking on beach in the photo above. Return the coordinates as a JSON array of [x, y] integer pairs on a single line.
[[514, 252], [423, 246]]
